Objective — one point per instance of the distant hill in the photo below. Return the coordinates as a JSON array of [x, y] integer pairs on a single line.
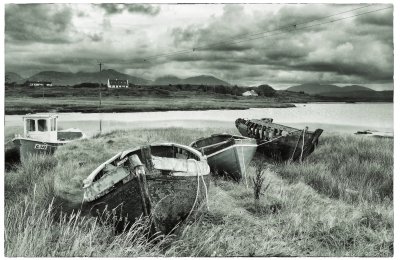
[[205, 80], [351, 91], [12, 77], [368, 94], [68, 78], [314, 88], [197, 80], [353, 88], [323, 89], [166, 80], [266, 90]]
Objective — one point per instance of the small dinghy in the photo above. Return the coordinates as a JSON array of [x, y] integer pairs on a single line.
[[226, 153], [166, 182], [42, 137], [279, 142]]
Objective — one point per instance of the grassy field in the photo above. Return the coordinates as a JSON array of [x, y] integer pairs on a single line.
[[338, 202], [132, 104], [22, 99]]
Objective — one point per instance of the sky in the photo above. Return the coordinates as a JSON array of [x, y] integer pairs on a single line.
[[245, 44]]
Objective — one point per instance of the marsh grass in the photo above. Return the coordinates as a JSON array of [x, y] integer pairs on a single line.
[[32, 232], [351, 168], [297, 215]]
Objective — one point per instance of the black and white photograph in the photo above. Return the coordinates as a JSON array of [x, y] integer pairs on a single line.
[[190, 129]]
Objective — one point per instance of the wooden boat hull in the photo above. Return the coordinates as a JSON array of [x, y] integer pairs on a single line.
[[29, 147], [167, 199], [165, 191], [232, 157], [297, 144]]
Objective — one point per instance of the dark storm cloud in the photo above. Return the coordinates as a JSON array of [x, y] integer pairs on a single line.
[[217, 35], [359, 49], [291, 14], [37, 23], [381, 18], [367, 71], [96, 37], [131, 8], [217, 65]]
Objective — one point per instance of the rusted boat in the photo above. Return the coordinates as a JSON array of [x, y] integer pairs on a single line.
[[166, 182], [277, 141], [227, 154], [41, 135]]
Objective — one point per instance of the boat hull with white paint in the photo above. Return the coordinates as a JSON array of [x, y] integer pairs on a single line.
[[227, 154], [166, 183]]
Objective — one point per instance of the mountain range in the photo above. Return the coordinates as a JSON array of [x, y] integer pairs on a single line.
[[14, 77], [318, 89], [197, 80], [336, 91], [313, 88], [69, 78]]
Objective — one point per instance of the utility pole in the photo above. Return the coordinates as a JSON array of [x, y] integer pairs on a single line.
[[100, 95], [100, 85]]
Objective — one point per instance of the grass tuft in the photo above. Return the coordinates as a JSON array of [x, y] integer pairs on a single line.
[[348, 167]]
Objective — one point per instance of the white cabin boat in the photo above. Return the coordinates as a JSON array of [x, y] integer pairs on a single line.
[[41, 135]]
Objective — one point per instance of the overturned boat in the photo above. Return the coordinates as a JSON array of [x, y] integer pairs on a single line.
[[279, 142], [227, 154], [165, 182], [42, 137]]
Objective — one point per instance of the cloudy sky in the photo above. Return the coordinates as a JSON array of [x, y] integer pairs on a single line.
[[244, 44]]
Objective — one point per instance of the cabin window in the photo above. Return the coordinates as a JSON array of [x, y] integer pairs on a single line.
[[53, 124], [30, 125], [42, 125]]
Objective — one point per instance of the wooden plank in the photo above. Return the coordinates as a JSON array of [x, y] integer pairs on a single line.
[[273, 125], [137, 168], [146, 157]]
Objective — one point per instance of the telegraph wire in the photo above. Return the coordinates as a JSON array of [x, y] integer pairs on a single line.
[[293, 27], [288, 26]]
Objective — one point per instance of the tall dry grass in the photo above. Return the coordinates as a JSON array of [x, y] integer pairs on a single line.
[[32, 232], [297, 215], [351, 168]]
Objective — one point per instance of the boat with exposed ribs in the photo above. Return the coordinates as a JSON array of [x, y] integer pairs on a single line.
[[277, 141], [227, 154], [165, 182]]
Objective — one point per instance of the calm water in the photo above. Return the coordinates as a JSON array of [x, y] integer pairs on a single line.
[[332, 117]]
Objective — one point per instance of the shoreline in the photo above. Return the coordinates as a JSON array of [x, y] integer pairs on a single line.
[[31, 110], [20, 109]]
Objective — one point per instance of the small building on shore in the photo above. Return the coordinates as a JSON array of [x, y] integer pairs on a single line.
[[38, 83], [250, 93], [117, 83]]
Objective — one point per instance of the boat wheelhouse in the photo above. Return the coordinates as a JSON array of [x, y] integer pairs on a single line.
[[41, 135]]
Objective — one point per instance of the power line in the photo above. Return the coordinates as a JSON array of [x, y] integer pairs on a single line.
[[287, 26], [302, 28], [294, 27]]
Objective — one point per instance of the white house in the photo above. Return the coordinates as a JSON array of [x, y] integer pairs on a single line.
[[39, 83], [117, 83], [250, 93]]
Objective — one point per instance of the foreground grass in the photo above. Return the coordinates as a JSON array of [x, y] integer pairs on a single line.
[[294, 217], [352, 168]]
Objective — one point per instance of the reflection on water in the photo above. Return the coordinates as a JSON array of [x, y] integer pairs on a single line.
[[334, 117]]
